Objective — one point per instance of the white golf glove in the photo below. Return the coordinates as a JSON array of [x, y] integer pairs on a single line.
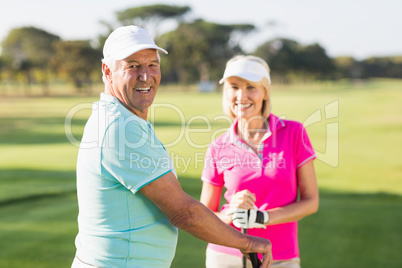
[[248, 218]]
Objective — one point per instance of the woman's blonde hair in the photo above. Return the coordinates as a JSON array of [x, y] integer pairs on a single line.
[[265, 83]]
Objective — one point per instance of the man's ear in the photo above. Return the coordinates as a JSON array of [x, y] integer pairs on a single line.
[[107, 72]]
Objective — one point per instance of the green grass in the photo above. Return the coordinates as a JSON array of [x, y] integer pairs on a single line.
[[359, 171]]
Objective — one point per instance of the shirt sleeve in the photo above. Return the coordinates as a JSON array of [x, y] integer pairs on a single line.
[[132, 154], [210, 172], [304, 149]]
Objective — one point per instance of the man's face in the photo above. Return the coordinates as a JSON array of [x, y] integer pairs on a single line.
[[135, 81]]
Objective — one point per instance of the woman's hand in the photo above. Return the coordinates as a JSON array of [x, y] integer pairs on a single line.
[[243, 199]]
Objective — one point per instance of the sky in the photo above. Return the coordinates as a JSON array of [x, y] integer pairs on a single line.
[[357, 28]]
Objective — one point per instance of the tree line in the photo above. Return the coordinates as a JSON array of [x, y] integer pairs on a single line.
[[198, 51]]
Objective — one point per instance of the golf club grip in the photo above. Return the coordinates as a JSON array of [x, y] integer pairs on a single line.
[[255, 261]]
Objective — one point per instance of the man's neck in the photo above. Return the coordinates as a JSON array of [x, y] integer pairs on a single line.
[[141, 114]]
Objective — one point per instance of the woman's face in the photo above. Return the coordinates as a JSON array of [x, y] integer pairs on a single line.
[[245, 97]]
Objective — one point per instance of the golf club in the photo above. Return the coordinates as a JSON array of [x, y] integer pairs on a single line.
[[255, 261]]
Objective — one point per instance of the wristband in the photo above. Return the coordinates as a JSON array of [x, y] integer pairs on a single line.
[[262, 217]]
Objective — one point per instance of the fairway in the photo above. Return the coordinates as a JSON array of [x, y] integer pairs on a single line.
[[356, 129]]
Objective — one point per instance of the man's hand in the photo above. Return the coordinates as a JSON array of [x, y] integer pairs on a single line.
[[248, 218], [260, 245]]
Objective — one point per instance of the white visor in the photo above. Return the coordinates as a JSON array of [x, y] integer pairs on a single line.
[[246, 69]]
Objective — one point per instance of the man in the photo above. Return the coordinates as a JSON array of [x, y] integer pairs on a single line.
[[130, 201]]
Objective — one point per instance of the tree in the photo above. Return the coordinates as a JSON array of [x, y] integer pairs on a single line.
[[239, 31], [199, 50], [78, 61], [282, 55], [382, 67], [28, 50], [2, 69], [347, 67], [150, 17], [316, 62], [289, 59]]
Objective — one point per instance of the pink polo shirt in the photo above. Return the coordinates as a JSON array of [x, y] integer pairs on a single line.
[[270, 175]]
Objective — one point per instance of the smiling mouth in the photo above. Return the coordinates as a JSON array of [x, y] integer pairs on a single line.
[[143, 89], [243, 106]]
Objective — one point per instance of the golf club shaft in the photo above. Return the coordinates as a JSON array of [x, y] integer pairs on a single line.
[[255, 261], [244, 231]]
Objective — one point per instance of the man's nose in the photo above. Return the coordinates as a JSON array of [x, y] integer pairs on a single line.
[[143, 74]]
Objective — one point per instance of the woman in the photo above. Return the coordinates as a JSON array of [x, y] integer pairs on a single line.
[[263, 162]]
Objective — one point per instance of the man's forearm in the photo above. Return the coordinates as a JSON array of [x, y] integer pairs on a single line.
[[202, 223], [193, 217]]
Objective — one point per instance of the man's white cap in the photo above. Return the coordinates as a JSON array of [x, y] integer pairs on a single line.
[[127, 40], [246, 69]]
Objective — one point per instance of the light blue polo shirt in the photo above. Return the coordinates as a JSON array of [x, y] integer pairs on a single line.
[[118, 226]]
